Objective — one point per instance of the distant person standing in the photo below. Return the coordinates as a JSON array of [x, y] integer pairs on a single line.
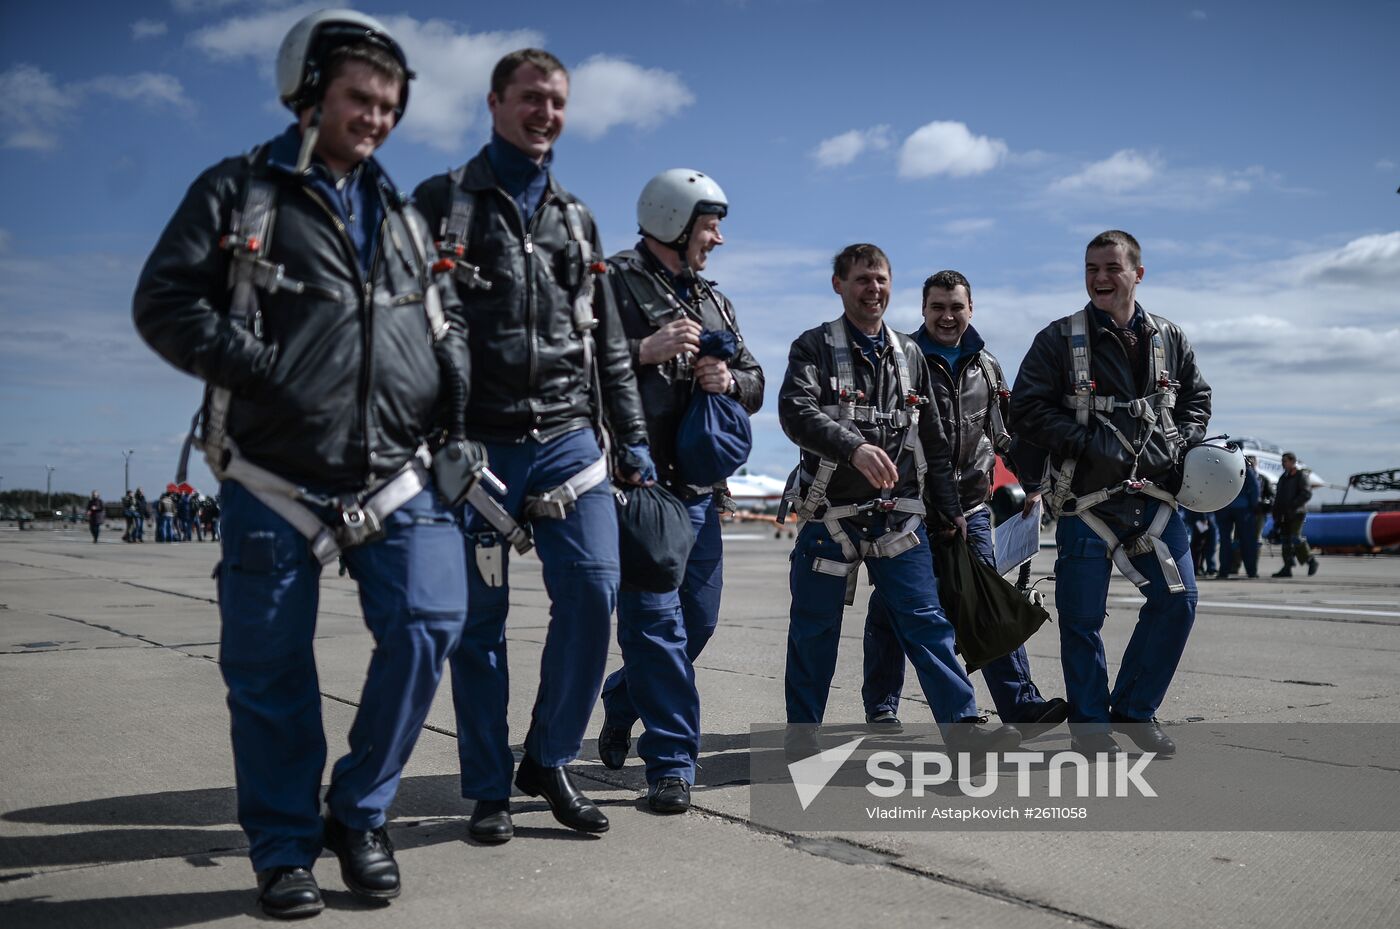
[[138, 530], [96, 513], [183, 509], [1291, 496], [128, 517], [165, 518], [1238, 527]]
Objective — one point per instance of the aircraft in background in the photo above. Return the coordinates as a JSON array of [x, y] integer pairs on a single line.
[[1268, 459], [756, 491]]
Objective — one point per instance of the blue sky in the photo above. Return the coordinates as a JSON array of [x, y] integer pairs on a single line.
[[1251, 147]]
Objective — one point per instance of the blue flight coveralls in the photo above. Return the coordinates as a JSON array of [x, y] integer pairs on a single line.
[[808, 413], [307, 421], [661, 634], [532, 407], [956, 378], [1239, 526], [1041, 414]]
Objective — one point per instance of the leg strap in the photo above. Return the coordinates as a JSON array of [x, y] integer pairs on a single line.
[[556, 503]]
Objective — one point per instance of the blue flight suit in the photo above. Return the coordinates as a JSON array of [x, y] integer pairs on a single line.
[[906, 580], [1008, 678], [1240, 520], [581, 575], [1082, 573], [661, 635], [413, 592]]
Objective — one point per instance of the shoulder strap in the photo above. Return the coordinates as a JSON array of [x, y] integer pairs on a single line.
[[995, 424], [457, 224], [841, 352]]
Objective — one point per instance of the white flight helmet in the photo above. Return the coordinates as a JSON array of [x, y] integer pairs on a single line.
[[301, 61], [670, 202], [1212, 475]]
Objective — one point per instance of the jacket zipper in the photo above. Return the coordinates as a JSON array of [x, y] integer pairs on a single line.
[[366, 316]]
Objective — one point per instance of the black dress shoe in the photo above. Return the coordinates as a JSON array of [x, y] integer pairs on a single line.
[[1042, 717], [1312, 566], [1146, 734], [289, 893], [491, 823], [885, 722], [669, 795], [1090, 744], [614, 742], [568, 804], [1285, 571], [978, 740], [366, 860]]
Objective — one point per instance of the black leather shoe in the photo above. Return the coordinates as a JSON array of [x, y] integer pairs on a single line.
[[669, 795], [1146, 734], [366, 860], [1285, 571], [568, 804], [491, 823], [1090, 744], [979, 740], [289, 893], [614, 742], [1043, 717], [885, 722], [1312, 566]]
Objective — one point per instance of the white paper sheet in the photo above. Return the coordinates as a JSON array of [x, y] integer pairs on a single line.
[[1017, 540]]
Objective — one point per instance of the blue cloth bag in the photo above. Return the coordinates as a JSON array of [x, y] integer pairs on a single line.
[[714, 438]]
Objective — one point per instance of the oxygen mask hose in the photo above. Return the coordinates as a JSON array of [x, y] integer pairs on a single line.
[[308, 140]]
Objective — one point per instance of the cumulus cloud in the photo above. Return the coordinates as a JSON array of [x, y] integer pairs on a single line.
[[605, 92], [1124, 171], [146, 87], [33, 107], [148, 29], [949, 148], [1372, 260], [454, 75], [840, 150], [253, 36]]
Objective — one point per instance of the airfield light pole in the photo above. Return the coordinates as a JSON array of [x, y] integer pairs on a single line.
[[126, 470], [48, 492]]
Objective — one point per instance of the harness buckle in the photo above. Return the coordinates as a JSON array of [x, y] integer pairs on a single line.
[[358, 525], [846, 394], [1087, 386], [1134, 486], [250, 244], [915, 399]]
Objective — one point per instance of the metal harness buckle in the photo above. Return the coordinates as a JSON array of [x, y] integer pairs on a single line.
[[358, 525]]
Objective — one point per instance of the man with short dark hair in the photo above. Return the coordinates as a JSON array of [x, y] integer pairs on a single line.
[[969, 394], [1292, 491], [549, 365], [1114, 395], [296, 283], [855, 400]]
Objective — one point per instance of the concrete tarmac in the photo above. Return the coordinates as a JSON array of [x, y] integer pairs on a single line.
[[117, 797]]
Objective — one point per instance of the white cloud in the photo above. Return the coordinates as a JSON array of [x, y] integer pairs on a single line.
[[845, 148], [1199, 15], [949, 148], [33, 108], [146, 87], [1385, 164], [209, 6], [1372, 260], [968, 226], [148, 29], [1123, 171], [454, 76], [605, 92], [255, 36]]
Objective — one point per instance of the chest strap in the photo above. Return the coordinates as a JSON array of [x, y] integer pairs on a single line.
[[848, 411]]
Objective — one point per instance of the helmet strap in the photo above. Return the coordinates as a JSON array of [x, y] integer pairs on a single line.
[[308, 140]]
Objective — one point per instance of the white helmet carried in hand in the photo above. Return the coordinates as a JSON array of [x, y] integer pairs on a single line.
[[301, 61], [670, 202], [1212, 475]]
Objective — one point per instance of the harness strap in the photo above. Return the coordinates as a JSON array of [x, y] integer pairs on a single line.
[[455, 230], [555, 503], [892, 543], [1149, 541], [363, 515], [995, 423]]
